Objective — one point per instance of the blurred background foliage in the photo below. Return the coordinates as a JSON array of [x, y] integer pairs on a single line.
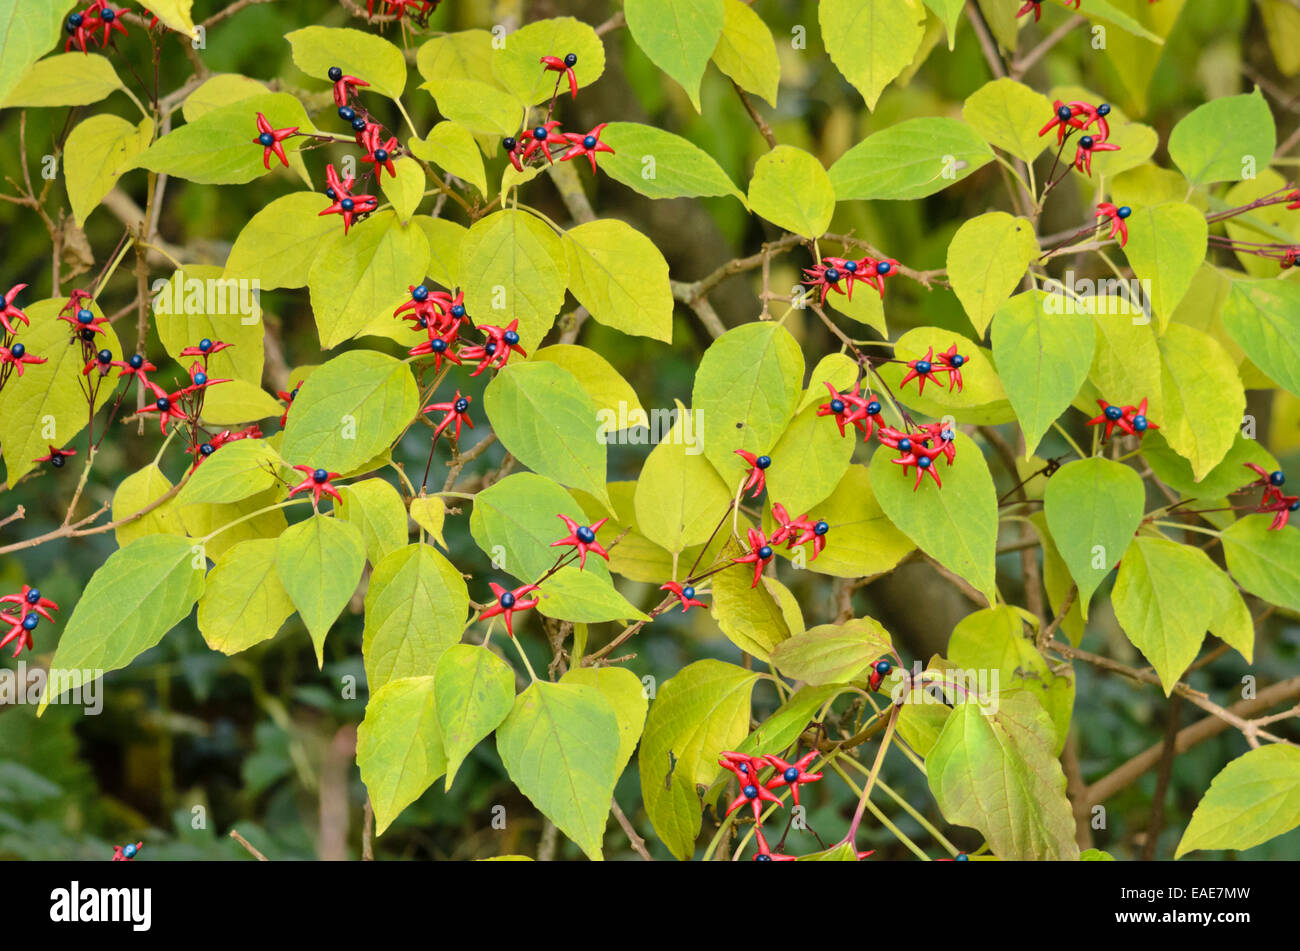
[[191, 743]]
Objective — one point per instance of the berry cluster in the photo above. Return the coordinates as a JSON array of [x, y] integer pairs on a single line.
[[531, 144], [13, 355], [828, 275], [1078, 116], [31, 608], [1118, 218], [1273, 500], [417, 10], [81, 27], [1130, 420]]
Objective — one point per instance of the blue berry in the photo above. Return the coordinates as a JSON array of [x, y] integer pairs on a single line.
[[763, 461], [85, 316], [883, 667], [163, 404], [458, 311], [1103, 109], [266, 139], [57, 462], [76, 19], [571, 60], [129, 851], [461, 405], [30, 622], [851, 267], [490, 349], [421, 293], [1064, 113], [585, 534], [832, 275], [205, 345], [438, 345], [347, 113], [884, 267], [319, 476], [923, 462], [508, 143], [423, 323], [905, 445], [206, 449], [381, 156], [762, 858], [331, 194], [957, 360], [200, 378], [18, 350], [1294, 507], [104, 356], [540, 133], [790, 775], [33, 595], [510, 337], [923, 366], [1140, 423], [688, 592], [136, 361], [335, 74], [765, 552], [359, 124], [1124, 211], [821, 528], [961, 857], [347, 204], [1086, 142], [507, 600], [873, 408], [1277, 478], [108, 14], [750, 792], [1113, 413], [589, 142], [837, 406]]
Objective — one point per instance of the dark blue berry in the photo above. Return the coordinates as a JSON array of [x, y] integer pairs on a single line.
[[957, 360], [205, 345], [206, 449], [762, 858], [510, 337], [136, 361], [507, 600], [421, 293], [458, 311], [508, 143], [1140, 423], [57, 462], [851, 267], [85, 316], [87, 335], [688, 592], [108, 14], [1064, 113], [30, 622], [1294, 506], [347, 113], [837, 406], [18, 350], [571, 60], [790, 775], [461, 405], [821, 528], [923, 462], [129, 851], [104, 356], [905, 445], [163, 404], [319, 476], [923, 366], [293, 396], [961, 857], [884, 267], [1085, 143], [540, 133], [359, 124], [589, 142], [438, 345], [1277, 478], [883, 667], [423, 323], [765, 552], [200, 378], [763, 461], [331, 194], [873, 408], [947, 435], [1124, 212], [490, 349], [832, 275], [1113, 412], [750, 792], [76, 19], [266, 139], [33, 595], [335, 74], [1103, 109], [585, 534], [347, 204], [381, 156]]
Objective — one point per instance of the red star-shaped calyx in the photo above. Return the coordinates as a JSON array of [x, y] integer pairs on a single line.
[[685, 595], [583, 537], [272, 141], [508, 602], [588, 145], [317, 483], [793, 774], [759, 555], [457, 410], [9, 312], [756, 478]]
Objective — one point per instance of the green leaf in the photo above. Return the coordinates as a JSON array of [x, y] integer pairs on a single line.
[[700, 712], [949, 11], [199, 302], [993, 769], [399, 747], [658, 164], [838, 369], [430, 513], [746, 52], [1263, 317], [281, 242], [1166, 245], [1126, 367], [833, 653], [871, 42], [64, 79], [560, 745], [466, 54], [981, 398], [135, 597], [546, 420], [862, 541], [1232, 622], [792, 190], [218, 148], [612, 394], [1093, 508], [1202, 396], [619, 275], [445, 238], [679, 36], [1225, 478], [220, 90], [1225, 139], [1009, 115], [46, 405], [452, 148], [957, 524], [748, 614], [316, 49], [987, 259], [1264, 562], [746, 388], [237, 521], [474, 690], [374, 506], [29, 29], [133, 495], [416, 608], [349, 410], [572, 594], [514, 267], [626, 696], [235, 472], [823, 455], [358, 278], [515, 520], [910, 159], [97, 153], [1043, 359], [1105, 10], [679, 496], [515, 65], [174, 14], [481, 107], [1162, 600], [996, 655], [320, 562], [405, 190], [244, 602], [1254, 798]]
